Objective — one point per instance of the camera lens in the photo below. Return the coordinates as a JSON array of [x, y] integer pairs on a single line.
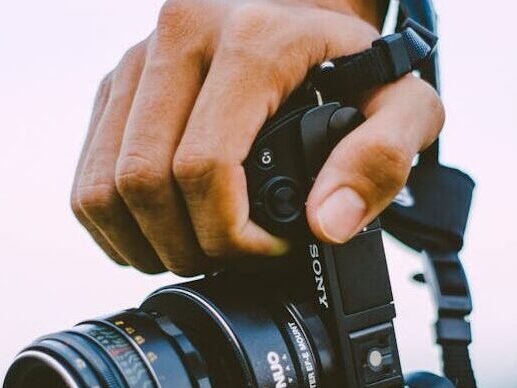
[[128, 349], [201, 334]]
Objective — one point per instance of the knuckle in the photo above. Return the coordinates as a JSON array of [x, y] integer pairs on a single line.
[[104, 85], [180, 18], [102, 94], [128, 67], [137, 176], [388, 167], [430, 106], [214, 247], [251, 19], [221, 243], [75, 205], [433, 104], [133, 55], [95, 200], [267, 38], [251, 32], [188, 167]]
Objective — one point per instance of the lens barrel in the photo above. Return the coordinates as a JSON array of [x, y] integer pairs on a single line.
[[199, 334], [128, 349]]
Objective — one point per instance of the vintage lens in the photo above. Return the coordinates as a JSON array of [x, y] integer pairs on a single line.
[[128, 349], [210, 333]]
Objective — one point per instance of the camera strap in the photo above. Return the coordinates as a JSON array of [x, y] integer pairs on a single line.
[[435, 224], [390, 58], [430, 214]]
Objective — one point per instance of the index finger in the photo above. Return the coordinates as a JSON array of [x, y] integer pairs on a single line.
[[249, 77]]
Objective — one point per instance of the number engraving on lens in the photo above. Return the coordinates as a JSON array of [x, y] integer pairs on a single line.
[[122, 353]]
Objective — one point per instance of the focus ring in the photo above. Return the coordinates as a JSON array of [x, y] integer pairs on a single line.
[[104, 368]]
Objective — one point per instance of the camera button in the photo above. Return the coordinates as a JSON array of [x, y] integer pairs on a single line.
[[265, 158], [282, 200], [285, 202]]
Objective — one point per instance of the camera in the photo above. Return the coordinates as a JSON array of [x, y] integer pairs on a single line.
[[321, 317]]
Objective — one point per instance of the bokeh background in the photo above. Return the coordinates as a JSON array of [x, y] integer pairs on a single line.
[[52, 56]]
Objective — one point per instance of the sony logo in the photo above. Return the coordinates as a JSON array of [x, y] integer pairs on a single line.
[[318, 275]]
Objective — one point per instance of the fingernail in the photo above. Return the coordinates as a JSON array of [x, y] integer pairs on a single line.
[[340, 214], [279, 248]]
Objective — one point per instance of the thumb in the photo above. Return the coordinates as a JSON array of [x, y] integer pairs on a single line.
[[369, 167]]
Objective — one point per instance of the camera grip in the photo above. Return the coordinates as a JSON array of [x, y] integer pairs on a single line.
[[351, 287]]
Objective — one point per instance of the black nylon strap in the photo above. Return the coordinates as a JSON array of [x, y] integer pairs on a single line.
[[445, 230], [456, 364], [389, 59], [422, 12], [435, 211]]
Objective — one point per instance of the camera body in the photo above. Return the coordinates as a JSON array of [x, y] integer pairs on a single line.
[[350, 282], [320, 317]]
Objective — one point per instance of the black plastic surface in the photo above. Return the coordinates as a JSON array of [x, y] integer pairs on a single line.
[[351, 287]]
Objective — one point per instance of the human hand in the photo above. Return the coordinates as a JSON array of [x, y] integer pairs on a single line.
[[160, 184]]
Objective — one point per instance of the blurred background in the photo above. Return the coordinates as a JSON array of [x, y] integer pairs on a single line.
[[54, 53]]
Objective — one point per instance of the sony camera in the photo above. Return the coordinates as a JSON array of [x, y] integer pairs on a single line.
[[320, 317]]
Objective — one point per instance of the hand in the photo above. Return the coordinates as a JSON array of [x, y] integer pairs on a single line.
[[160, 183]]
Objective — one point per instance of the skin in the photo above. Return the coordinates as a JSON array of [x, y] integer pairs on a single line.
[[160, 183]]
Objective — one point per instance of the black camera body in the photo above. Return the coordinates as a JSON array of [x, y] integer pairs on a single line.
[[350, 282], [321, 317]]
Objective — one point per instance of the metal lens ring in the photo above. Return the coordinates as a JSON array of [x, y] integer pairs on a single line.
[[128, 360], [298, 341], [170, 355]]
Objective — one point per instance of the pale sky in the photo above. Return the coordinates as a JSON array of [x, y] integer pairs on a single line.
[[53, 55]]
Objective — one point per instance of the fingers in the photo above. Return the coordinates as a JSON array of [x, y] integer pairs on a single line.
[[168, 88], [98, 111], [96, 190], [262, 56], [161, 183], [208, 168], [369, 167]]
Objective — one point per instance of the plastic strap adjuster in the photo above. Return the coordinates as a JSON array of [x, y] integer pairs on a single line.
[[394, 46], [453, 330], [445, 274]]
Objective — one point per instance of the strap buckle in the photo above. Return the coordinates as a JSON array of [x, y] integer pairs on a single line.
[[446, 277], [394, 47], [407, 49]]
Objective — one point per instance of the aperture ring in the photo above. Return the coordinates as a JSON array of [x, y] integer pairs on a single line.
[[116, 346], [163, 358], [195, 364]]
